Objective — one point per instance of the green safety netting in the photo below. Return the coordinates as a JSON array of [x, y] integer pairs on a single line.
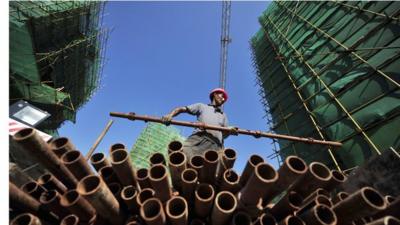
[[56, 53], [330, 70]]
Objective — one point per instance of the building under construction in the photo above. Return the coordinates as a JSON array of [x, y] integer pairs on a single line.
[[329, 70], [56, 55]]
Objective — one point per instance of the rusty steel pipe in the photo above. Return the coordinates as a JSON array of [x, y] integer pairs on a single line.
[[143, 195], [157, 158], [197, 163], [97, 193], [389, 199], [36, 146], [175, 146], [292, 220], [177, 164], [317, 176], [265, 219], [133, 116], [391, 210], [210, 163], [318, 200], [340, 197], [189, 181], [319, 215], [116, 146], [108, 175], [363, 202], [121, 163], [387, 220], [159, 182], [50, 201], [26, 219], [230, 181], [70, 220], [17, 176], [204, 197], [253, 161], [197, 221], [319, 191], [50, 182], [152, 212], [128, 195], [226, 161], [142, 177], [33, 189], [79, 206], [241, 218], [116, 189], [61, 145], [224, 206], [259, 184], [287, 205], [134, 220], [99, 160], [177, 211], [337, 179], [76, 163]]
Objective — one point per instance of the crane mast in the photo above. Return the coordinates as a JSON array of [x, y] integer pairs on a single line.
[[225, 40]]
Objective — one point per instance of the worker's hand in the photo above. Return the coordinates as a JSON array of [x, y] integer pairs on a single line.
[[233, 131], [167, 119]]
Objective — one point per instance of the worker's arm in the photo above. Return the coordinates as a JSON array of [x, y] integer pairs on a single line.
[[167, 118]]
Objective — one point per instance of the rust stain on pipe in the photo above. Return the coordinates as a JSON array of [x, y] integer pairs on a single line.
[[128, 195], [189, 181], [121, 163], [50, 182], [50, 201], [152, 212], [319, 215], [97, 193], [70, 220], [241, 218], [177, 164], [26, 219], [61, 145], [157, 158], [76, 163], [78, 206], [177, 211], [35, 145], [159, 182], [209, 170], [287, 205], [142, 176], [253, 161], [33, 189], [99, 160], [224, 206], [230, 181], [363, 202], [175, 146], [204, 197]]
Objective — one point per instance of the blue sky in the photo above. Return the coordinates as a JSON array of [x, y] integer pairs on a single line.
[[161, 55]]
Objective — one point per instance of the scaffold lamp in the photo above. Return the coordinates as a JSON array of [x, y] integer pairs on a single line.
[[28, 114]]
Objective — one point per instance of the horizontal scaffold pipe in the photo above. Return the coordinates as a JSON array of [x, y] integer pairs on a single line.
[[133, 116]]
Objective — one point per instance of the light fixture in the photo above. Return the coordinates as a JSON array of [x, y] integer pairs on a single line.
[[28, 114]]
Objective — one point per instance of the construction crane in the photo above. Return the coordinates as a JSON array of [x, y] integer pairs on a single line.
[[225, 40]]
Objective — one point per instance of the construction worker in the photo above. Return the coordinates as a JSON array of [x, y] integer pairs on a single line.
[[211, 114]]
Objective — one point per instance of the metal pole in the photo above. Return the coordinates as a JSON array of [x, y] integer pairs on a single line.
[[99, 139]]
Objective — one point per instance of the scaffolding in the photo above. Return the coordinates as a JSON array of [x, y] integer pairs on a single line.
[[57, 51], [329, 70], [154, 138]]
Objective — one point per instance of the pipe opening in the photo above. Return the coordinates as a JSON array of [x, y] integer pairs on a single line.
[[205, 191], [89, 184], [197, 161], [226, 201], [177, 158], [117, 146], [241, 219], [24, 219], [70, 220], [175, 146], [24, 133], [211, 156], [320, 171], [294, 220], [296, 164], [30, 187], [321, 191], [157, 172], [45, 178], [342, 195], [267, 220], [71, 156], [69, 198], [338, 176], [323, 200], [157, 158], [389, 199], [142, 173], [266, 172], [189, 175], [325, 215], [129, 192], [48, 196], [97, 157], [373, 197], [119, 156], [255, 160], [145, 194], [197, 221], [106, 172], [151, 208], [60, 142], [231, 176], [230, 153], [176, 207], [295, 199], [389, 220]]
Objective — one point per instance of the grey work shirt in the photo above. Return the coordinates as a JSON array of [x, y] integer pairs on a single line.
[[211, 115]]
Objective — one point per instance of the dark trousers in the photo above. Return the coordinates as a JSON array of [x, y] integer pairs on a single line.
[[198, 143]]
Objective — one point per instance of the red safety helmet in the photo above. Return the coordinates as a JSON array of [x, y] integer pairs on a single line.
[[219, 90]]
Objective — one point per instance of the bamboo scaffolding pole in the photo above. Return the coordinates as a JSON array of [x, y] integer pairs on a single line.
[[133, 116]]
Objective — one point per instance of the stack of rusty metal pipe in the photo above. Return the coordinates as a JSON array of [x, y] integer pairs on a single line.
[[176, 190]]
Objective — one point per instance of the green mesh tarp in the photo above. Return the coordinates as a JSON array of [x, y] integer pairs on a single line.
[[330, 70]]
